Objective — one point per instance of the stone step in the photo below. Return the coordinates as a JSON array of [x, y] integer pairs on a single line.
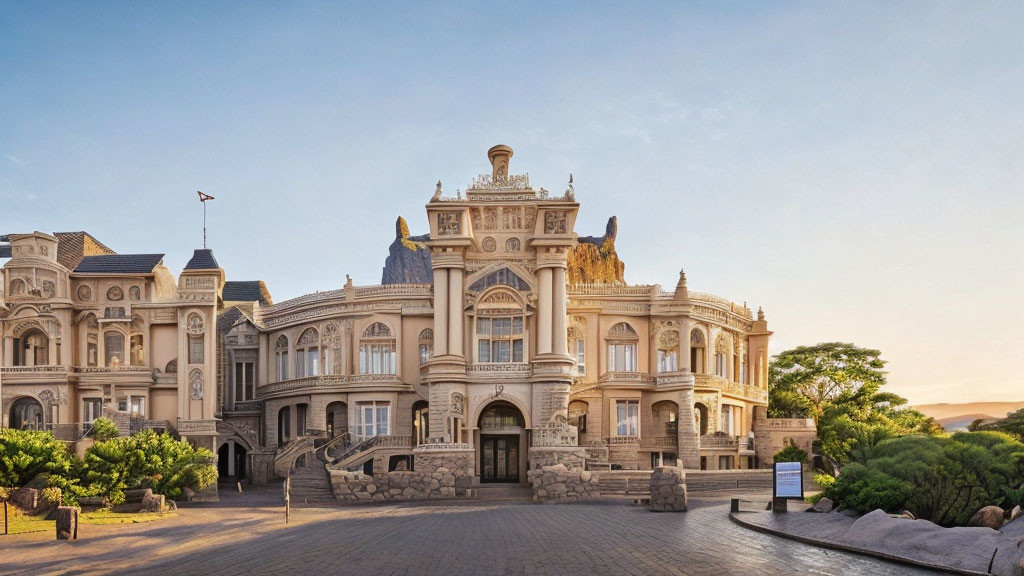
[[503, 492]]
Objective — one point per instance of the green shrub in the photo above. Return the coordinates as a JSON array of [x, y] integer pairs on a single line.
[[942, 479], [25, 454], [51, 495], [104, 429], [791, 454]]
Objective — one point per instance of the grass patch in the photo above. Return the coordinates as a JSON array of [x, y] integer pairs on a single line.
[[21, 523]]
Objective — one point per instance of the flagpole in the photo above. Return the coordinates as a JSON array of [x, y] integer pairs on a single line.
[[203, 198]]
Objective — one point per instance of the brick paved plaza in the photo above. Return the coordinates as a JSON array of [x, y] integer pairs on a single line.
[[246, 536]]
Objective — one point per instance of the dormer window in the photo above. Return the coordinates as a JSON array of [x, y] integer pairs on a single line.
[[377, 350], [622, 341]]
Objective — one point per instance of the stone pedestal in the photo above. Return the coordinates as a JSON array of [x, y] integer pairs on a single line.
[[668, 489], [67, 523]]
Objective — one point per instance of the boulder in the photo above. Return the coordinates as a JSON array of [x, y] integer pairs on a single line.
[[823, 505], [153, 503], [137, 496], [25, 498], [1009, 558], [987, 517]]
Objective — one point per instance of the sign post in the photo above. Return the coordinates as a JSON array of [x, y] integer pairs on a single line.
[[787, 482]]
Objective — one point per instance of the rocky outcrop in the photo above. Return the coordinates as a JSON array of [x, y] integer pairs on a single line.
[[987, 517], [668, 489], [408, 260], [594, 261]]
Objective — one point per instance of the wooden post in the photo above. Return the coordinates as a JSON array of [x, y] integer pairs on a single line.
[[67, 523], [5, 517]]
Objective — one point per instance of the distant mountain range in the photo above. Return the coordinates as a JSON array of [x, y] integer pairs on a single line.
[[955, 417]]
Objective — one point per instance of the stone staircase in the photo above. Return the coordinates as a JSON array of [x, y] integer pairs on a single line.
[[503, 492], [311, 486]]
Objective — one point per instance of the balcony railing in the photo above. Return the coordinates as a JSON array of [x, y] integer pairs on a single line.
[[327, 381], [745, 390], [642, 378], [622, 440], [34, 370]]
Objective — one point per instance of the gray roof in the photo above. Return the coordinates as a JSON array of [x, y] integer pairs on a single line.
[[202, 260], [119, 264], [245, 291], [5, 250]]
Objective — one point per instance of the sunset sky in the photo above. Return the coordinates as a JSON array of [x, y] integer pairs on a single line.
[[856, 169]]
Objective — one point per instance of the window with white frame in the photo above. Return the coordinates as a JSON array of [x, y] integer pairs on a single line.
[[307, 354], [627, 418], [372, 418], [92, 408], [282, 358], [245, 381], [668, 351], [721, 356], [426, 341], [578, 345], [500, 339], [377, 350], [622, 343]]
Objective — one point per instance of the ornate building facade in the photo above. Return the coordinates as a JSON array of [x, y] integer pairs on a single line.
[[498, 342]]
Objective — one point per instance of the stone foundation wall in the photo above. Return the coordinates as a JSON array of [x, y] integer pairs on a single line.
[[668, 489], [572, 457], [437, 475], [560, 484]]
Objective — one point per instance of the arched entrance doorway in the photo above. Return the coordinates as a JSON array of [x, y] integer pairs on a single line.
[[231, 461], [420, 422], [502, 435], [700, 412], [26, 413]]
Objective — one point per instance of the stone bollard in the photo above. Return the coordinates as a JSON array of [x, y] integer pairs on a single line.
[[67, 523], [668, 489]]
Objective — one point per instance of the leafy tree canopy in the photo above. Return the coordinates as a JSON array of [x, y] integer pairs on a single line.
[[25, 454], [1012, 424]]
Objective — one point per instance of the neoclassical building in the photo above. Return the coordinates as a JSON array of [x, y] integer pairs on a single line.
[[498, 341]]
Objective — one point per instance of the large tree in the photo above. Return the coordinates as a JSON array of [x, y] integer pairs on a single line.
[[839, 386]]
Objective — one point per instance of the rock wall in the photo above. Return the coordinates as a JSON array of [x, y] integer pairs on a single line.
[[441, 475], [668, 489], [558, 483]]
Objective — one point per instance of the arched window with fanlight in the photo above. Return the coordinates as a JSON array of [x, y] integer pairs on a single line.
[[281, 351], [721, 355], [426, 341], [668, 351], [500, 334], [697, 351], [377, 350], [307, 354], [622, 343]]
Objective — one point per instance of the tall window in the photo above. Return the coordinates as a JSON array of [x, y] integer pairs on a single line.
[[743, 369], [426, 345], [697, 351], [138, 356], [195, 350], [500, 339], [377, 350], [728, 422], [92, 408], [373, 418], [282, 358], [578, 345], [307, 354], [627, 414], [721, 356], [668, 351], [622, 341], [113, 342], [137, 406], [245, 381]]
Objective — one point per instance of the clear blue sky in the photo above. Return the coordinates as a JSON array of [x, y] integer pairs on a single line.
[[855, 168]]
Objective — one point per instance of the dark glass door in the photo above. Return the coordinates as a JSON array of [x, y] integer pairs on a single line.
[[499, 459]]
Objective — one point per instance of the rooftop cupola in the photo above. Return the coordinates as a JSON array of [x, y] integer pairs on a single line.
[[499, 156]]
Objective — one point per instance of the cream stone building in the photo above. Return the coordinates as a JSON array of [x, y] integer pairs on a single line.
[[497, 342]]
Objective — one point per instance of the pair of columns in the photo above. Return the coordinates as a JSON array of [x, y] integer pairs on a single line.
[[552, 332], [448, 322]]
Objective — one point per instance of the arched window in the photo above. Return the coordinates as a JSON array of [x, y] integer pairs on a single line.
[[578, 415], [282, 358], [500, 333], [665, 418], [136, 342], [113, 345], [622, 341], [33, 349], [426, 345], [668, 351], [307, 354], [284, 422], [721, 358], [578, 344], [697, 354], [377, 350]]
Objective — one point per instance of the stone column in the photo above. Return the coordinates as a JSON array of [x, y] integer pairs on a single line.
[[544, 306], [440, 311], [686, 429], [8, 351], [684, 345], [560, 336], [455, 311]]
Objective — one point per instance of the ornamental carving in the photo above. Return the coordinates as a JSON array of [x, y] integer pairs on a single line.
[[512, 217], [115, 293], [84, 293], [554, 222], [457, 404], [196, 384], [488, 244], [134, 293], [531, 217], [668, 340], [194, 326], [448, 224], [512, 245]]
